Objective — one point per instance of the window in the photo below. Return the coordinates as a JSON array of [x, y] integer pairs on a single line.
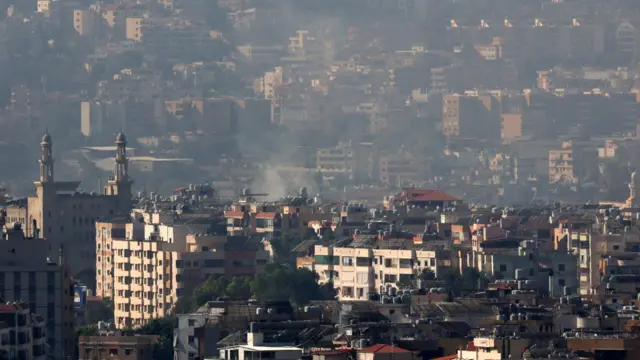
[[561, 282], [192, 339], [192, 323], [616, 247], [561, 267], [503, 268]]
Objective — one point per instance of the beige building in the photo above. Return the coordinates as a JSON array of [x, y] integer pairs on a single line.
[[358, 272], [572, 163], [44, 6], [133, 29], [352, 161], [268, 83], [84, 22], [66, 217], [471, 116], [398, 169], [146, 268], [116, 347]]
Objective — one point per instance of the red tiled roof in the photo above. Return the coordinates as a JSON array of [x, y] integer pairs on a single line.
[[427, 195], [233, 214], [448, 357], [266, 215], [383, 348]]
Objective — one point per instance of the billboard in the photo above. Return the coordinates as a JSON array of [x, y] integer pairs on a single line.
[[79, 295]]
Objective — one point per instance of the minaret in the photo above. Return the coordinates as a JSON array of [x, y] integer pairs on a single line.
[[120, 184], [46, 159], [121, 172], [631, 201]]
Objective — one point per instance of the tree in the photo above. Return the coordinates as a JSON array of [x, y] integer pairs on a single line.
[[163, 349], [283, 248], [328, 234], [285, 282], [470, 280], [213, 287], [309, 233], [101, 312], [239, 288], [427, 274]]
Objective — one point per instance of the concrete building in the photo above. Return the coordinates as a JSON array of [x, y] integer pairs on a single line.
[[511, 127], [133, 29], [146, 268], [370, 264], [291, 214], [85, 22], [66, 218], [22, 333], [471, 116], [187, 343], [399, 169], [572, 163], [116, 347], [35, 271]]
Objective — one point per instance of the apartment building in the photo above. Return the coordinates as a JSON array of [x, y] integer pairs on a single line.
[[471, 116], [172, 38], [22, 333], [348, 160], [336, 162], [116, 347], [371, 263], [511, 126], [572, 162], [146, 268], [267, 84], [34, 271], [85, 22], [399, 169]]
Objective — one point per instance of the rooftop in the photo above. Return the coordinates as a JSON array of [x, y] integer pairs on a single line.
[[383, 348]]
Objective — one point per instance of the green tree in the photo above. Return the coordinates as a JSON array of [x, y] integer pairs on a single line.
[[328, 235], [163, 349], [239, 288], [469, 281], [285, 282], [213, 287], [100, 312], [283, 248], [427, 274], [309, 233]]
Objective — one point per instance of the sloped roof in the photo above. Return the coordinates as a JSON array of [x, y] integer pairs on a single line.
[[383, 348]]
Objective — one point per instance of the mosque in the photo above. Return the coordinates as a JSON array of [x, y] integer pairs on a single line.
[[64, 217]]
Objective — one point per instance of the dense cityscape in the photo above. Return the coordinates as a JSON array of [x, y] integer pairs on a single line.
[[319, 180]]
